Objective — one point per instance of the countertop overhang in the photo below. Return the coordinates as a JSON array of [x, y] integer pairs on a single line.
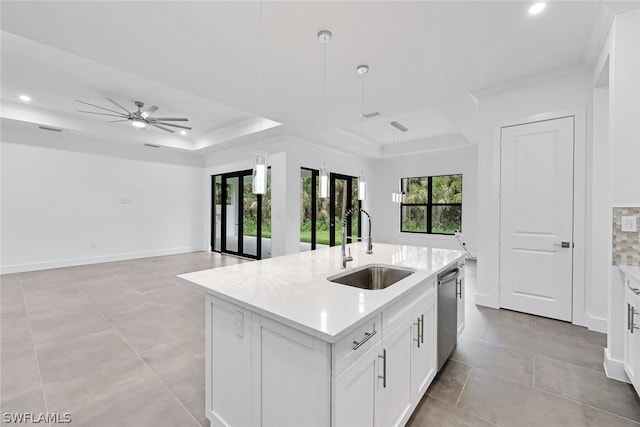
[[631, 271], [293, 289]]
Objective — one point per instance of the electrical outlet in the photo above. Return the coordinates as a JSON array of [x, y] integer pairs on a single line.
[[628, 223]]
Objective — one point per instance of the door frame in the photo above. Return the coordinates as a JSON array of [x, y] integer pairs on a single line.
[[332, 207], [223, 215], [579, 305]]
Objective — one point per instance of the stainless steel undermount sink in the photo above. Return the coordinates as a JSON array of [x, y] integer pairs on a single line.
[[372, 276]]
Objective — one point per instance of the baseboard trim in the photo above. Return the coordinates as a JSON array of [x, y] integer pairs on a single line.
[[614, 368], [597, 324], [487, 300], [20, 268]]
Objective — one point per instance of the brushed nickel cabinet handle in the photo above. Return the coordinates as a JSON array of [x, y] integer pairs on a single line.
[[459, 288], [384, 368], [417, 338], [421, 329], [367, 337], [628, 317], [632, 323]]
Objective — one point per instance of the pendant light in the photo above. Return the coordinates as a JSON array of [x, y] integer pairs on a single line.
[[260, 157], [362, 182], [325, 37], [398, 197]]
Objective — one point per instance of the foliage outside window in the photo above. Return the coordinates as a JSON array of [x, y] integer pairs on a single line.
[[431, 204]]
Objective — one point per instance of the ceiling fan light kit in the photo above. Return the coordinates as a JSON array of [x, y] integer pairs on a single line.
[[140, 118]]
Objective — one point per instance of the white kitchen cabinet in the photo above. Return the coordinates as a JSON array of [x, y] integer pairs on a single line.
[[460, 291], [632, 333], [406, 365], [424, 356], [261, 372], [395, 390], [355, 391]]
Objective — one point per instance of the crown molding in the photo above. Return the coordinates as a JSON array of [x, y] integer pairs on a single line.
[[527, 81]]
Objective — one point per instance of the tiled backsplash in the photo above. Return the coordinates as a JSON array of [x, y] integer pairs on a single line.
[[626, 244]]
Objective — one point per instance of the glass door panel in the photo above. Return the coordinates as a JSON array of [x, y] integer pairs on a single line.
[[265, 209], [216, 213], [249, 218], [231, 196]]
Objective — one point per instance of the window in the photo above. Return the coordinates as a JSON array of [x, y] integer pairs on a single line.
[[431, 204]]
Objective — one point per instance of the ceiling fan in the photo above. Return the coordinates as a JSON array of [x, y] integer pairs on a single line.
[[140, 118]]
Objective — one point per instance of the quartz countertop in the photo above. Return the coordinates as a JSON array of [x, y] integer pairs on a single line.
[[294, 289], [631, 271]]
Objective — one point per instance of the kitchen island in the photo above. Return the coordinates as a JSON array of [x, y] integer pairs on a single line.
[[285, 346]]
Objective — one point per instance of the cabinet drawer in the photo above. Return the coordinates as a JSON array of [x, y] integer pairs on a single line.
[[393, 316], [355, 344]]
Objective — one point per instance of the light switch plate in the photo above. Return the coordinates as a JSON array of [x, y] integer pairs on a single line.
[[628, 223]]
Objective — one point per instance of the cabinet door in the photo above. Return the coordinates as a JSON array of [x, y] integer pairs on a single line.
[[395, 391], [355, 391], [461, 296], [424, 357], [228, 363], [632, 336]]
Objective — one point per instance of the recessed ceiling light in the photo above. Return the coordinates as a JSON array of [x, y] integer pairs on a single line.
[[537, 8], [25, 98], [183, 132]]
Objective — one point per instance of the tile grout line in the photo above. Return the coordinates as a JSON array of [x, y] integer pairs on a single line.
[[33, 343], [463, 386], [136, 353], [464, 410], [587, 405], [533, 380]]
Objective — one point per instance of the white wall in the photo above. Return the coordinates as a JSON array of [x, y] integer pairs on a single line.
[[548, 95], [620, 162], [442, 162], [63, 208]]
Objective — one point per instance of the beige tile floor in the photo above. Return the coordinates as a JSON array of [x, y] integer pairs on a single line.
[[122, 344]]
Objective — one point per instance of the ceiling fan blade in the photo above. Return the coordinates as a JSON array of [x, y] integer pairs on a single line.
[[97, 106], [102, 114], [161, 127], [118, 105], [170, 124], [169, 119], [114, 121], [149, 111]]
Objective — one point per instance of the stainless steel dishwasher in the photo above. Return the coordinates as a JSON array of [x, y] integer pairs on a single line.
[[447, 313]]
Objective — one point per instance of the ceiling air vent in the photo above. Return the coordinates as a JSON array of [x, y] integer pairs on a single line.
[[371, 115], [52, 129], [152, 145]]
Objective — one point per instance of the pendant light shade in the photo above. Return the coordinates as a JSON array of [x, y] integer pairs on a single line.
[[324, 183], [362, 188], [259, 172]]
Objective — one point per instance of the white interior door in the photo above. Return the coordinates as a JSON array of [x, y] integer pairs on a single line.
[[536, 226]]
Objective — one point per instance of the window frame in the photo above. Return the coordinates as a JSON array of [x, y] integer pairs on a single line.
[[429, 205]]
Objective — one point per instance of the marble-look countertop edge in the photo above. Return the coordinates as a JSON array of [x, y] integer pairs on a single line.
[[383, 298], [631, 271]]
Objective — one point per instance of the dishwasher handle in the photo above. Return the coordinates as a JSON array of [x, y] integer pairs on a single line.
[[448, 276]]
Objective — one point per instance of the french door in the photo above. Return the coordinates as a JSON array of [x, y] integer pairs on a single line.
[[240, 224], [343, 194], [320, 218]]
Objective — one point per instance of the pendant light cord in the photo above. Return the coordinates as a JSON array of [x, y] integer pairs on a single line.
[[324, 102], [362, 128], [260, 94]]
